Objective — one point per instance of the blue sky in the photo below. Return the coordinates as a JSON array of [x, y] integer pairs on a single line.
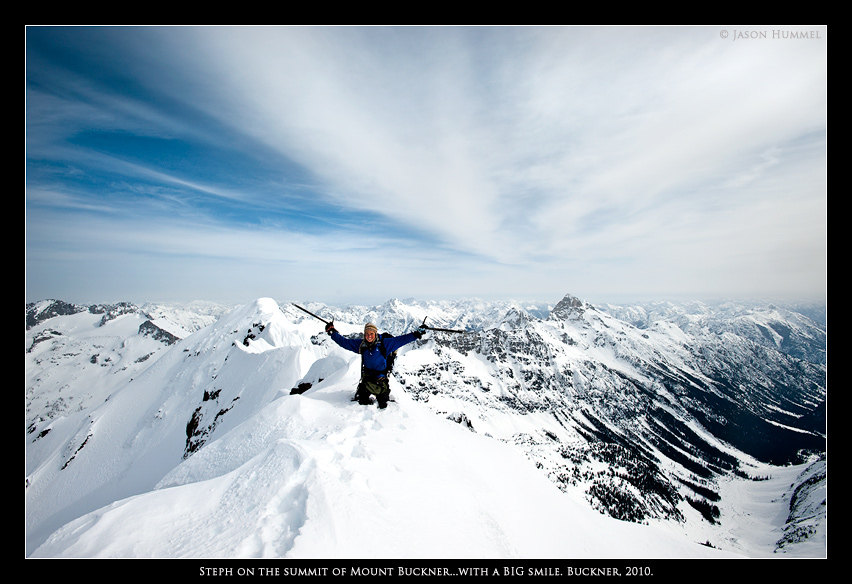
[[357, 164]]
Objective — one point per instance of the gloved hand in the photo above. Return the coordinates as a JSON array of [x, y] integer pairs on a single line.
[[329, 328], [421, 330]]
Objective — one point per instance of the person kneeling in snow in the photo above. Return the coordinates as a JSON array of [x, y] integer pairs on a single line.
[[375, 352]]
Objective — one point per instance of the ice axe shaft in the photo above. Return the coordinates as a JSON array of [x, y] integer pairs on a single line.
[[312, 314], [432, 328]]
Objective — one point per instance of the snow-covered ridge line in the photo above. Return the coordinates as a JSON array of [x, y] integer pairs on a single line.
[[561, 389]]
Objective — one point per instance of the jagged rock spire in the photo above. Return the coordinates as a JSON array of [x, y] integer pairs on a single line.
[[569, 307]]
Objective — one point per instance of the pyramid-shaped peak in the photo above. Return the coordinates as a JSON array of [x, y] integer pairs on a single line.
[[569, 307]]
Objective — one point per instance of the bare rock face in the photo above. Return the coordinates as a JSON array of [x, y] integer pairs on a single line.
[[570, 307]]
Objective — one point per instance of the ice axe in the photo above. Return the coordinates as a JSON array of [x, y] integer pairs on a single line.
[[314, 315], [432, 328]]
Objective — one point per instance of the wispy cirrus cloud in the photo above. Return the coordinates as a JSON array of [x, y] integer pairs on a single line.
[[607, 160]]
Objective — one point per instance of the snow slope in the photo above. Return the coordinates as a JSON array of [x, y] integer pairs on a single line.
[[274, 475], [316, 476]]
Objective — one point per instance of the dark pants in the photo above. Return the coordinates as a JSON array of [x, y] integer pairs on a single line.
[[378, 388]]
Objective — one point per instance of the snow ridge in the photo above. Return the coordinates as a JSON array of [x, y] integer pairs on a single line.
[[202, 449]]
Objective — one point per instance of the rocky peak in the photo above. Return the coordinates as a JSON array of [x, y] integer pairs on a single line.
[[570, 307], [515, 319], [37, 312], [155, 331], [113, 311]]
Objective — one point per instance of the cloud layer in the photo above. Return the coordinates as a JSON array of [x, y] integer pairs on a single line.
[[364, 163]]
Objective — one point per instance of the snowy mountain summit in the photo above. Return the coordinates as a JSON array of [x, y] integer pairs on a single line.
[[562, 432]]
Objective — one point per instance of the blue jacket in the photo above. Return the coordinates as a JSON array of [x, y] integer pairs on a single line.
[[371, 356]]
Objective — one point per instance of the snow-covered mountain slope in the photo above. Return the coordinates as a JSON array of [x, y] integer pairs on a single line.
[[788, 330], [201, 450], [641, 422], [313, 476]]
